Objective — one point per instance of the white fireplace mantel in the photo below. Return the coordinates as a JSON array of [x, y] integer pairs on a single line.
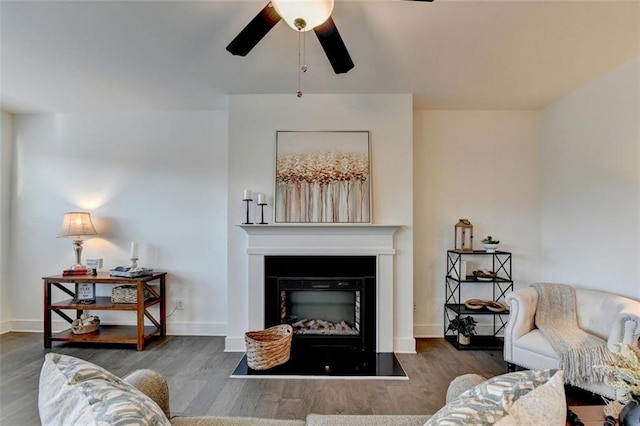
[[320, 239], [325, 240]]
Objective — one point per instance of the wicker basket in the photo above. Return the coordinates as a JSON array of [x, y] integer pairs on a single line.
[[268, 348], [128, 294], [84, 329]]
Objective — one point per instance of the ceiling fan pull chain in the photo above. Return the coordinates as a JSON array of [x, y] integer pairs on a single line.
[[304, 51], [299, 91]]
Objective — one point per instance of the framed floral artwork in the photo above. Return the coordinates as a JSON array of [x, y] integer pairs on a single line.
[[322, 177]]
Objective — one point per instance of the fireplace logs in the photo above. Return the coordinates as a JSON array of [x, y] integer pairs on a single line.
[[322, 327]]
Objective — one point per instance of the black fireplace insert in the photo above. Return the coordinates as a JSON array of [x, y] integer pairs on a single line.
[[328, 300]]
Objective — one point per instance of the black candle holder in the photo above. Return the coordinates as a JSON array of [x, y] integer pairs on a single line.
[[262, 222], [248, 200]]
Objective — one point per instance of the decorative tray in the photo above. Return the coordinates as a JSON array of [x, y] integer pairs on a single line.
[[121, 271]]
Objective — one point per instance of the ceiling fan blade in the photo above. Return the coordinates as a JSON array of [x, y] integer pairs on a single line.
[[333, 46], [254, 31]]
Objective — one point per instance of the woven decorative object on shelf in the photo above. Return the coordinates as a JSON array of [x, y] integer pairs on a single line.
[[496, 306], [475, 303], [268, 348], [128, 294], [489, 304], [88, 328]]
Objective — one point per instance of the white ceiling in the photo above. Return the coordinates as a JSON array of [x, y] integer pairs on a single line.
[[64, 56]]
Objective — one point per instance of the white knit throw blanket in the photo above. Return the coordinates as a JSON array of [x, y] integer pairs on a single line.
[[578, 351]]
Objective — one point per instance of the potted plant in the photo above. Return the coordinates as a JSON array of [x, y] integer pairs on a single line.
[[623, 372], [490, 244], [465, 327]]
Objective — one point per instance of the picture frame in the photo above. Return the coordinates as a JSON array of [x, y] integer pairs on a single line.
[[322, 177], [85, 293]]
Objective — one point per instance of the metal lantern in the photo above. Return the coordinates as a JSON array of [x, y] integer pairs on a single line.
[[463, 236]]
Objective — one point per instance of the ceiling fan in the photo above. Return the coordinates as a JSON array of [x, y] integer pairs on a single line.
[[300, 17]]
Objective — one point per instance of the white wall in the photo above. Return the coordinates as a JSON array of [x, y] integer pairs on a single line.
[[557, 181], [253, 121], [591, 184], [6, 145], [480, 165], [156, 178]]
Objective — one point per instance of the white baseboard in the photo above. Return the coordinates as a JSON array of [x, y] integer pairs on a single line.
[[437, 330], [5, 327], [197, 328], [427, 330], [173, 328], [35, 326], [232, 343], [404, 345]]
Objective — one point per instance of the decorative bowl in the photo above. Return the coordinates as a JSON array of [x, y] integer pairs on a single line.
[[484, 275], [490, 248]]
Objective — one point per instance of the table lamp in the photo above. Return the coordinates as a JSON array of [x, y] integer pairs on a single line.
[[76, 225]]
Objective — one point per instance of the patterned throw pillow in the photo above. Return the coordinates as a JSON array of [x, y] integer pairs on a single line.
[[545, 405], [74, 391], [489, 401]]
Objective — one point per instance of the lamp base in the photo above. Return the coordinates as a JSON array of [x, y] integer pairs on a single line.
[[77, 249]]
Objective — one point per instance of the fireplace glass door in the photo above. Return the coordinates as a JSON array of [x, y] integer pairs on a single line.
[[327, 307]]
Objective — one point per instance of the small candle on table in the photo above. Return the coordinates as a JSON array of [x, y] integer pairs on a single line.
[[246, 194], [262, 199], [134, 251]]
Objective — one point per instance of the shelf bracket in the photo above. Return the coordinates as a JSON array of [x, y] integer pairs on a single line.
[[152, 319], [63, 315], [66, 290]]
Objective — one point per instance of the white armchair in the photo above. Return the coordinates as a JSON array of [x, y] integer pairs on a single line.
[[614, 318]]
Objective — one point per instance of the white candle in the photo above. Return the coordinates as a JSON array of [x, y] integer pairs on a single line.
[[246, 195], [134, 251], [262, 199]]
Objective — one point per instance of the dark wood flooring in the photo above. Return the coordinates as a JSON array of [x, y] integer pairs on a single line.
[[197, 370]]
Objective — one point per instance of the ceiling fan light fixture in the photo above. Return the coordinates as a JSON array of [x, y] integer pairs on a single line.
[[311, 12]]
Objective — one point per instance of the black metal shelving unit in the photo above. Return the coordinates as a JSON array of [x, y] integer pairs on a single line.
[[454, 307]]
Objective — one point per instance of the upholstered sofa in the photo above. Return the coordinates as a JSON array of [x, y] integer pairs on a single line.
[[75, 392], [613, 318]]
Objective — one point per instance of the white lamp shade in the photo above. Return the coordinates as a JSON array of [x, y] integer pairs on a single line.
[[314, 12], [77, 224]]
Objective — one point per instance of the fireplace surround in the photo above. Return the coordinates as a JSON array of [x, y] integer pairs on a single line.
[[377, 241]]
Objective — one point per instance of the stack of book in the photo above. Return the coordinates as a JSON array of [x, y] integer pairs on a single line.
[[72, 272]]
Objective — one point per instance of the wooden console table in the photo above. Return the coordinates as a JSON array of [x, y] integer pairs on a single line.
[[138, 334]]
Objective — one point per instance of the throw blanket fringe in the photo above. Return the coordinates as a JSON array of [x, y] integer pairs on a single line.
[[579, 363], [578, 351]]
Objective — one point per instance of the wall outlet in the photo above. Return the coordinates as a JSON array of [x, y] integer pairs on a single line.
[[415, 308], [179, 305]]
